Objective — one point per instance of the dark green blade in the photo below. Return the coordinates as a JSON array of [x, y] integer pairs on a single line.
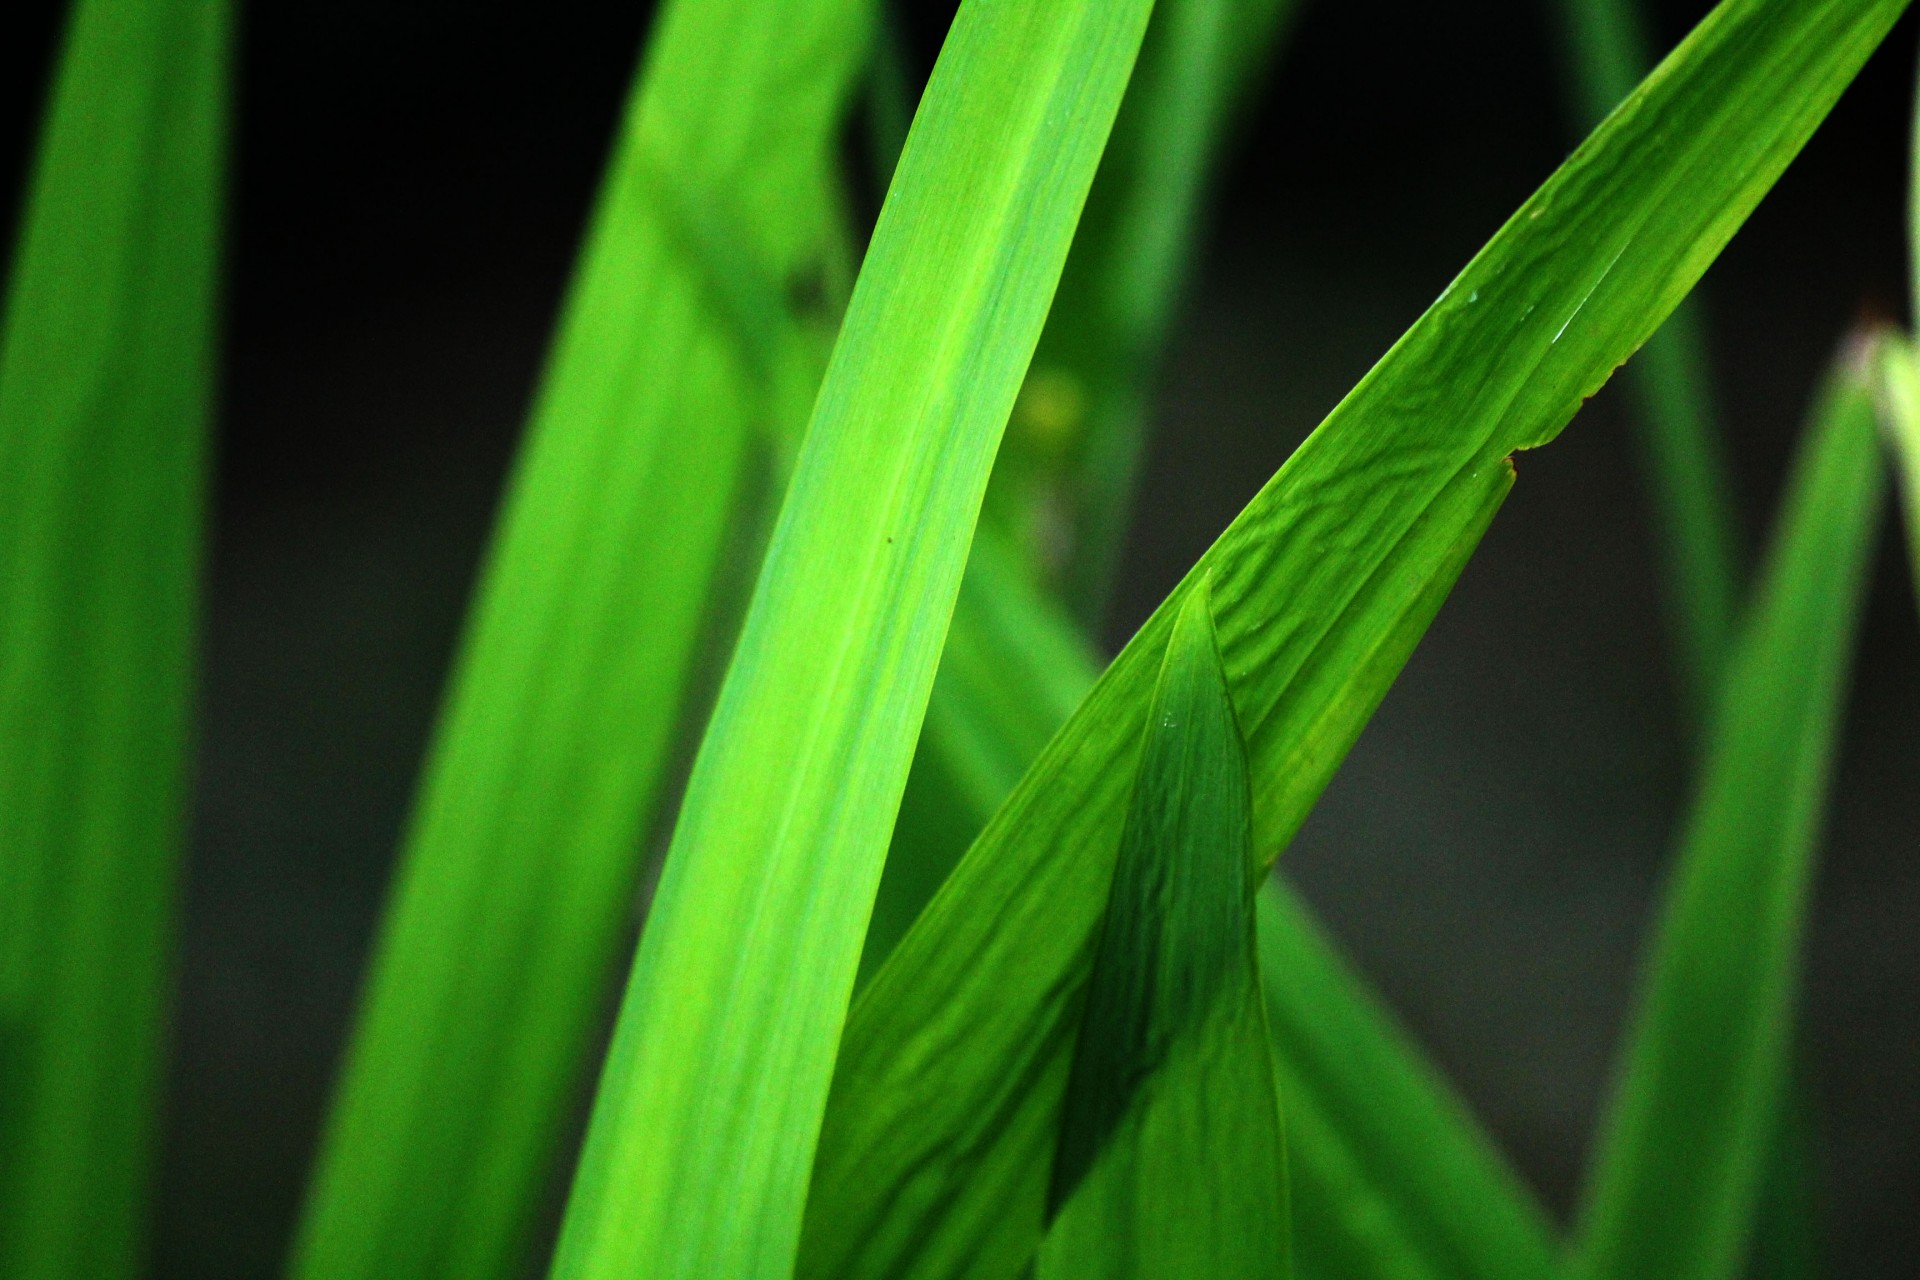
[[107, 357], [953, 1061], [1705, 1063], [693, 337], [698, 1152], [1171, 1161]]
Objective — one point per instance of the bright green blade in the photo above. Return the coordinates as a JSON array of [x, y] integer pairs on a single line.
[[954, 1058], [696, 329], [1064, 483], [1683, 457], [107, 356], [1171, 1161], [1392, 1176], [1704, 1068], [698, 1153]]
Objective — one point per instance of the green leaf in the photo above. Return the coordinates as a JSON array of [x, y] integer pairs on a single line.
[[693, 336], [1705, 1063], [1683, 458], [698, 1153], [1171, 1161], [938, 1134], [107, 358]]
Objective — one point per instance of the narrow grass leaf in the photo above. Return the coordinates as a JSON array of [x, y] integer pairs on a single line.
[[1171, 1160], [951, 1073], [703, 1131], [1705, 1063], [107, 355], [1683, 458], [693, 335]]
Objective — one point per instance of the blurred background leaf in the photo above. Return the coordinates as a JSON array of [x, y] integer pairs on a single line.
[[1705, 1066], [107, 373]]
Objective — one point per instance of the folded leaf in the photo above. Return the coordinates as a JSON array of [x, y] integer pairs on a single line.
[[1390, 1175], [950, 1076], [107, 357], [1704, 1067], [703, 1130], [1171, 1161]]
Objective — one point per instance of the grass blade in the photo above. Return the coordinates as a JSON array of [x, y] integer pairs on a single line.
[[1683, 457], [955, 1056], [697, 1156], [1704, 1070], [107, 356], [695, 328], [1171, 1161]]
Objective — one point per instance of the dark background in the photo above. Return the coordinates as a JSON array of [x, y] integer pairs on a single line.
[[410, 175]]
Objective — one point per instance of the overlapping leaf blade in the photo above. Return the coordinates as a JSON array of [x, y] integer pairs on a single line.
[[1171, 1160], [703, 1130], [106, 384], [1705, 1065], [954, 1058], [693, 337], [1390, 1175]]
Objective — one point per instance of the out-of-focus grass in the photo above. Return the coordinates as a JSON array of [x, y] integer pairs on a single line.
[[1706, 1063], [106, 388]]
